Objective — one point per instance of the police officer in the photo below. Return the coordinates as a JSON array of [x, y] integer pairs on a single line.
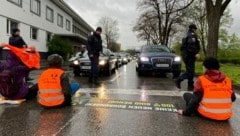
[[190, 52], [94, 48]]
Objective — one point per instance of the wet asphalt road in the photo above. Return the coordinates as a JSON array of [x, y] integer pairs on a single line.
[[30, 119]]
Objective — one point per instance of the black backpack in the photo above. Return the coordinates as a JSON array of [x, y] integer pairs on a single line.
[[7, 88]]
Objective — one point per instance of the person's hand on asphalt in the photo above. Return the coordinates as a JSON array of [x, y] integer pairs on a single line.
[[197, 56], [180, 112]]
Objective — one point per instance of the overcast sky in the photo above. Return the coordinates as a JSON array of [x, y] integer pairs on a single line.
[[125, 12]]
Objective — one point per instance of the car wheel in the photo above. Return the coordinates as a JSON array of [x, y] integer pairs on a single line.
[[76, 71], [176, 74]]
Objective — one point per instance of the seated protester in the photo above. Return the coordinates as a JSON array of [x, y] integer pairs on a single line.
[[213, 94], [13, 71], [53, 85]]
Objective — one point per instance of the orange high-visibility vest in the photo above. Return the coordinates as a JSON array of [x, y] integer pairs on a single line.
[[216, 102], [50, 90], [30, 59]]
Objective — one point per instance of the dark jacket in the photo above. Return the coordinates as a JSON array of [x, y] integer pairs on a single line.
[[17, 41], [94, 45], [214, 76], [190, 45]]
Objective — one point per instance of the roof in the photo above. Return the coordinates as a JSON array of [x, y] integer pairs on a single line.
[[64, 6]]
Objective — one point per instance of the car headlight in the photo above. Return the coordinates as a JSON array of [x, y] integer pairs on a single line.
[[76, 62], [102, 62], [177, 59], [144, 59]]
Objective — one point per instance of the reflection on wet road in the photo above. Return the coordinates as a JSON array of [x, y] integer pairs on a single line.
[[125, 86]]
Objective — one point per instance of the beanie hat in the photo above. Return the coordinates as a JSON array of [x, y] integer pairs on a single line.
[[55, 61], [192, 26], [99, 29], [211, 64]]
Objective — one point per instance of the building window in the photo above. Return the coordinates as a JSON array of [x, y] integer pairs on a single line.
[[68, 25], [35, 7], [11, 25], [49, 14], [60, 20], [49, 36], [16, 2], [34, 33]]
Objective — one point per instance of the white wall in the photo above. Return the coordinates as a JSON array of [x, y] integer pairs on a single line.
[[27, 19]]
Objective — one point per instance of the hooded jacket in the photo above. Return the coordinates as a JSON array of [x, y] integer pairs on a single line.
[[213, 75]]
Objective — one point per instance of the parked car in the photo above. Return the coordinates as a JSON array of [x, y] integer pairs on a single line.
[[107, 63], [158, 58]]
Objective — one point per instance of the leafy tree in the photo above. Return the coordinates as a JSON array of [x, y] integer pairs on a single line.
[[215, 10], [60, 46]]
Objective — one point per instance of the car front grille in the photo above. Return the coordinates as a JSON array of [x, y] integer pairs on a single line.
[[85, 63], [162, 62]]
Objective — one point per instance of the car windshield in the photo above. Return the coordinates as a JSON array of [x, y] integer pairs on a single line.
[[152, 49]]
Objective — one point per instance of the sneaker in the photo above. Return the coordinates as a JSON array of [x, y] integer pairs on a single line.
[[178, 83]]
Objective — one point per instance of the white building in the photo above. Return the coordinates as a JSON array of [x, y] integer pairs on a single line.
[[38, 20]]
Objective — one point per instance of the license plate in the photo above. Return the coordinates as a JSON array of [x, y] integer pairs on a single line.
[[86, 67], [162, 65]]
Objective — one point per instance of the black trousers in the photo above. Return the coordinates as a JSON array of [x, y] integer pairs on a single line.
[[190, 70]]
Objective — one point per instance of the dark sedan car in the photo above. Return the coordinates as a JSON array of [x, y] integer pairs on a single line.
[[159, 59], [107, 63]]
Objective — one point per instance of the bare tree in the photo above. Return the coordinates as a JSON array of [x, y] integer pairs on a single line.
[[215, 10], [110, 30], [157, 19]]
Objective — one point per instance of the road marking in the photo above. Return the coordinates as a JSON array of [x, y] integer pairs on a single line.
[[116, 77], [137, 91]]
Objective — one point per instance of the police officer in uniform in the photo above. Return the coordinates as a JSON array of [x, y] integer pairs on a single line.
[[190, 52], [94, 48]]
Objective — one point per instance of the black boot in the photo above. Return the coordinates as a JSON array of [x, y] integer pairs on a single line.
[[90, 79], [178, 83], [95, 80]]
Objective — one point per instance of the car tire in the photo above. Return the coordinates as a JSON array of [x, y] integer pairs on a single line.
[[176, 74]]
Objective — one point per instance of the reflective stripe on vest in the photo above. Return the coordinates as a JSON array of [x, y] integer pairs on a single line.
[[216, 102], [51, 98], [215, 111], [50, 89]]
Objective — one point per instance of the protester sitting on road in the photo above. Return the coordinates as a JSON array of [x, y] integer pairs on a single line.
[[53, 85], [13, 71], [213, 94]]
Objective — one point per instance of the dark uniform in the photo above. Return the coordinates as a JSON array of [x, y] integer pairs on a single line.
[[94, 48], [190, 47]]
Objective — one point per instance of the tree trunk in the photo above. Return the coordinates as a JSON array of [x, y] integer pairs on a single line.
[[213, 18]]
